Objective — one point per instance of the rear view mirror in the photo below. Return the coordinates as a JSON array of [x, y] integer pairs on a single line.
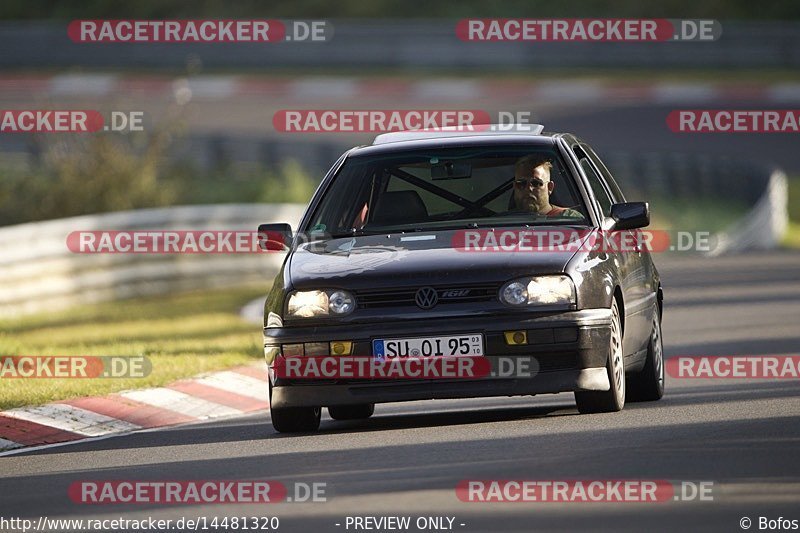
[[448, 170], [631, 215], [274, 237]]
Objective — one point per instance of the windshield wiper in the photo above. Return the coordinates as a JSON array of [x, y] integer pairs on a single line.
[[354, 233]]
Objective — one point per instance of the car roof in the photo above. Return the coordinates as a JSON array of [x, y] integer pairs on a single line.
[[415, 140], [460, 131]]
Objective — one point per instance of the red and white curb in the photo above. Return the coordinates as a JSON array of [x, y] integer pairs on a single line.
[[347, 89], [229, 393]]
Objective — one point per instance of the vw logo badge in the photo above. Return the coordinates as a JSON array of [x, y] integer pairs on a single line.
[[426, 297]]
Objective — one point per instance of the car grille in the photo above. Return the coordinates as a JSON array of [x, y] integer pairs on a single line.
[[374, 298]]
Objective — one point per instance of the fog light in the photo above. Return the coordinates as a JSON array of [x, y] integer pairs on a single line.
[[516, 337], [292, 350], [316, 348], [341, 347]]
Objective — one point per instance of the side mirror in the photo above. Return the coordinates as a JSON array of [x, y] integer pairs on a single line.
[[630, 215], [275, 237]]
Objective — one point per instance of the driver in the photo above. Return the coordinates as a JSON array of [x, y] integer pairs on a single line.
[[532, 188]]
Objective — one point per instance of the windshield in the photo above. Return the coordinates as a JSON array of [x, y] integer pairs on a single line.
[[449, 188]]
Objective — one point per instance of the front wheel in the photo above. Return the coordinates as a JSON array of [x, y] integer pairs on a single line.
[[614, 398], [648, 385], [294, 419]]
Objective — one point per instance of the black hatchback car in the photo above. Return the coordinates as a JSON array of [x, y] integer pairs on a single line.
[[419, 247]]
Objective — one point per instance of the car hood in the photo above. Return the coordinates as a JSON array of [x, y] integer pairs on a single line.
[[398, 260]]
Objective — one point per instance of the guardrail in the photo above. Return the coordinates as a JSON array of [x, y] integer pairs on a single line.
[[764, 225], [38, 272]]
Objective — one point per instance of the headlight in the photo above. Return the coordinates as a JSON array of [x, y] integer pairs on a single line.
[[539, 290], [309, 304]]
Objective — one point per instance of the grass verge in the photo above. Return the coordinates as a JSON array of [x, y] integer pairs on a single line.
[[712, 216], [182, 335]]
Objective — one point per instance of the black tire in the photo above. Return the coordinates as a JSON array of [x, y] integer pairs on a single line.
[[294, 419], [648, 384], [613, 399], [351, 412]]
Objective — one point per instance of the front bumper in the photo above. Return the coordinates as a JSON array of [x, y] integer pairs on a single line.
[[571, 349]]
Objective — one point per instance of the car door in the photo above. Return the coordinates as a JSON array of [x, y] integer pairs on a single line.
[[631, 267]]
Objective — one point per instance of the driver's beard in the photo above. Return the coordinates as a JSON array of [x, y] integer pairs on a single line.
[[531, 205]]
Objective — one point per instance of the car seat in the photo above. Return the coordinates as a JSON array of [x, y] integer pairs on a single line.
[[399, 207]]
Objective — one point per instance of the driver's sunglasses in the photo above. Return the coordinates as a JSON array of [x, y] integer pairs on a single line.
[[536, 182]]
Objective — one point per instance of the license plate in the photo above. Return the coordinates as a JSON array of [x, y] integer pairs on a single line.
[[453, 346]]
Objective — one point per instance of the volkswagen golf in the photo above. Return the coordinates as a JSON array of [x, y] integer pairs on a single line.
[[481, 247]]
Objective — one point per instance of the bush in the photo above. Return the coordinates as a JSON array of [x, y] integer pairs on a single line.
[[89, 173], [105, 172]]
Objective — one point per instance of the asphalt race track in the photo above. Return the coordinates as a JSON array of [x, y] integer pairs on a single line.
[[742, 435]]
